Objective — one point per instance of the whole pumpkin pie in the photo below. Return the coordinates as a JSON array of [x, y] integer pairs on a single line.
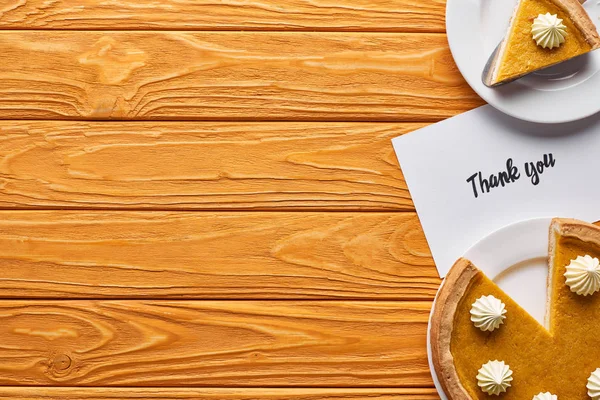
[[559, 359], [541, 33]]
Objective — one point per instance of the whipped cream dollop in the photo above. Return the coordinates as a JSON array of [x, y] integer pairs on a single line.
[[593, 385], [545, 396], [548, 31], [583, 275], [494, 377], [487, 313]]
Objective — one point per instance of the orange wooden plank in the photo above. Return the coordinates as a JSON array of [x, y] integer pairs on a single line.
[[292, 15], [62, 254], [214, 343], [201, 166], [220, 76]]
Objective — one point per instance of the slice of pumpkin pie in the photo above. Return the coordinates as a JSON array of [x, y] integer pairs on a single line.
[[542, 33], [484, 345]]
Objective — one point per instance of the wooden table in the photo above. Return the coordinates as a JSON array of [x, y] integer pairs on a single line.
[[200, 199]]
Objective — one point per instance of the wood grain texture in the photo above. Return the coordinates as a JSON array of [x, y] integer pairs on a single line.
[[63, 254], [209, 165], [214, 343], [229, 75], [296, 15], [75, 393]]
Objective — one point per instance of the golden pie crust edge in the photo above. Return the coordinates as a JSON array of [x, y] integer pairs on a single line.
[[566, 227], [456, 284], [581, 19], [449, 296]]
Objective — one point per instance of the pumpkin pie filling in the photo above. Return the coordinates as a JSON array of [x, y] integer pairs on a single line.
[[523, 55], [558, 360], [520, 54]]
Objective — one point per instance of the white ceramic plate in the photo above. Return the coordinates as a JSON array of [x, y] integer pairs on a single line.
[[515, 257], [566, 92]]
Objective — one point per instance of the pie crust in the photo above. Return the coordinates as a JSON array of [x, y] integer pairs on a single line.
[[449, 296]]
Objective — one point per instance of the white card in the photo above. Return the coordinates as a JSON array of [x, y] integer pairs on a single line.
[[442, 164]]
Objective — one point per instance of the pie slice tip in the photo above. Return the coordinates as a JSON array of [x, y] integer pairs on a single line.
[[518, 54]]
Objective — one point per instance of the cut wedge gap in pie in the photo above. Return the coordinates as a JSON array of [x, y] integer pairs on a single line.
[[519, 54], [557, 359]]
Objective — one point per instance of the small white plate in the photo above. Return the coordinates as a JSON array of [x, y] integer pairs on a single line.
[[516, 259], [566, 92]]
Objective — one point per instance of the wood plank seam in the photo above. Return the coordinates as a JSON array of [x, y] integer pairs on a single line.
[[161, 393]]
